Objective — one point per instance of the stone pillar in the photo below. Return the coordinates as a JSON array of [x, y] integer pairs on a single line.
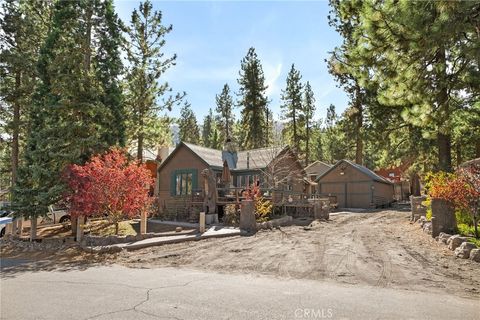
[[9, 229], [201, 222], [33, 229], [79, 228], [248, 223], [418, 209], [443, 217], [143, 223]]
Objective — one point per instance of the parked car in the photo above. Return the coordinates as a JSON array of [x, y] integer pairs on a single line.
[[5, 218]]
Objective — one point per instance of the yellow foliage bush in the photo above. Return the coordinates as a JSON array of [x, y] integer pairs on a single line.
[[263, 209]]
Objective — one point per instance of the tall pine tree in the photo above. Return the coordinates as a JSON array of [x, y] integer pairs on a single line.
[[253, 101], [309, 112], [147, 95], [292, 110], [189, 131], [226, 118]]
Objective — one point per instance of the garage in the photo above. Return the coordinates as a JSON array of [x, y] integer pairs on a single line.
[[355, 186]]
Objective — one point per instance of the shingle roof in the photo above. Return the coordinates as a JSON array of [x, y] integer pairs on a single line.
[[317, 168], [361, 168], [248, 159]]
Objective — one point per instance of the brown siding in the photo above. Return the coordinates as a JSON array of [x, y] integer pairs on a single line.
[[182, 159], [354, 188]]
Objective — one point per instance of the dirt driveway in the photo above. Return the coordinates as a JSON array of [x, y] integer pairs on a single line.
[[376, 248]]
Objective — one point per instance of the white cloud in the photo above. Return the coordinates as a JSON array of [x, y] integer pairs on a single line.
[[272, 74]]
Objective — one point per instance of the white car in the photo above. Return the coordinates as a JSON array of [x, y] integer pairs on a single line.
[[54, 215]]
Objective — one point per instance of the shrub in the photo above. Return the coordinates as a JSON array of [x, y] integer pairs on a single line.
[[263, 209], [108, 184], [463, 217], [465, 229], [428, 203]]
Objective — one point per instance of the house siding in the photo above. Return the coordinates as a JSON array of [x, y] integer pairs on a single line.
[[183, 159], [354, 188]]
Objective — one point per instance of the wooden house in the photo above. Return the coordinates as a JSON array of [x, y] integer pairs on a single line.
[[355, 186], [181, 190]]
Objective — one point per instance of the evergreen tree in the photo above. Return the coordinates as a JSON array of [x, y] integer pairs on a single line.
[[253, 101], [309, 112], [334, 137], [189, 131], [147, 96], [226, 118], [209, 131], [292, 110], [67, 117], [109, 68], [23, 26]]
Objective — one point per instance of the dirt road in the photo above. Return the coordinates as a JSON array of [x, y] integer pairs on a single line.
[[377, 248]]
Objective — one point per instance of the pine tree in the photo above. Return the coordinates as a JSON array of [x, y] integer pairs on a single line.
[[226, 118], [23, 27], [208, 130], [109, 68], [148, 64], [253, 101], [189, 131], [309, 112], [292, 110], [67, 115]]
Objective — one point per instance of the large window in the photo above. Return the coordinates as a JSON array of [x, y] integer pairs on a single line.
[[184, 182]]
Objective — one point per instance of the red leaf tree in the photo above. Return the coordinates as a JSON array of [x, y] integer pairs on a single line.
[[462, 189], [109, 184]]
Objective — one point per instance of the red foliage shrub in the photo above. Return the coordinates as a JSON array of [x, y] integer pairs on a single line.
[[108, 184]]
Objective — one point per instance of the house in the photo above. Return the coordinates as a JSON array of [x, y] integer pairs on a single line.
[[355, 186], [313, 171], [397, 175], [180, 181]]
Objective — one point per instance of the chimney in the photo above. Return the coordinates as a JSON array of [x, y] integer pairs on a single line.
[[229, 154]]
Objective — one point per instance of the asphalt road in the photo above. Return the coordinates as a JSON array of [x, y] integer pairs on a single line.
[[117, 292]]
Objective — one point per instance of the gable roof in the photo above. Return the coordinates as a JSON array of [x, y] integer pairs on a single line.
[[318, 167], [364, 170], [247, 159]]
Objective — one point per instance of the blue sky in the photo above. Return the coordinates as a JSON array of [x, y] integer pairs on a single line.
[[210, 39]]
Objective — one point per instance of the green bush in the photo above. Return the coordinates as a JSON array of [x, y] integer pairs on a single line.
[[463, 217], [465, 229], [475, 241]]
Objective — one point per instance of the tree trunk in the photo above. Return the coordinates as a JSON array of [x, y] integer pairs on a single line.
[[33, 228], [307, 144], [458, 150], [415, 185], [444, 152], [15, 131], [88, 40], [140, 148], [443, 136], [116, 228], [358, 127]]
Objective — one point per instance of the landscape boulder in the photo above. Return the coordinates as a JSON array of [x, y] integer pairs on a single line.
[[421, 221], [463, 251], [443, 237], [475, 255], [427, 227], [443, 217], [455, 241]]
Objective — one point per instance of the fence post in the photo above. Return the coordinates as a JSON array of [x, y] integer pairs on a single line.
[[202, 222], [79, 233], [143, 223]]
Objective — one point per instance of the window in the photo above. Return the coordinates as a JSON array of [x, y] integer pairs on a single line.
[[391, 174], [183, 182]]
